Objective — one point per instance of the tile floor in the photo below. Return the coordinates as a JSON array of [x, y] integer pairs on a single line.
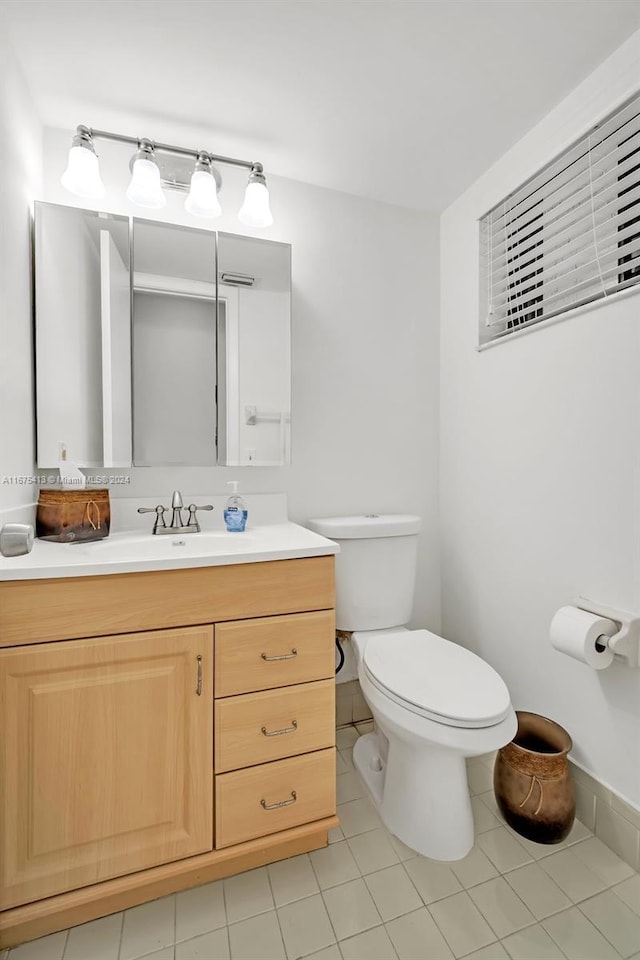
[[368, 897]]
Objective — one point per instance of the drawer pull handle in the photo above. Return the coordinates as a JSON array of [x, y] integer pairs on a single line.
[[282, 803], [278, 733], [199, 678], [283, 656]]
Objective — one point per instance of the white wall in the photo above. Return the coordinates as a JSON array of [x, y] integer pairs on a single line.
[[20, 183], [365, 353], [540, 457]]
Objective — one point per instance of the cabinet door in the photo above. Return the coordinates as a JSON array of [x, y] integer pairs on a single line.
[[105, 752]]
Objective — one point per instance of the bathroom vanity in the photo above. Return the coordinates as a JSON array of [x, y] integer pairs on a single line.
[[163, 725]]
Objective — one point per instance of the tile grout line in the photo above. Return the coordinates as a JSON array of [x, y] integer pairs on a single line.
[[549, 934], [548, 877], [175, 923], [326, 909], [441, 931], [226, 915], [601, 932], [531, 923], [275, 907], [121, 934], [322, 892]]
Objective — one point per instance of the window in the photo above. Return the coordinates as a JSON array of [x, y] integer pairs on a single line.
[[570, 235]]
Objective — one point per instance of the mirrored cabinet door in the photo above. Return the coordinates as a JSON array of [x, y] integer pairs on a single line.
[[254, 351], [83, 337], [174, 345]]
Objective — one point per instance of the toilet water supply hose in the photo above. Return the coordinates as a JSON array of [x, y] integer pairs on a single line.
[[340, 654]]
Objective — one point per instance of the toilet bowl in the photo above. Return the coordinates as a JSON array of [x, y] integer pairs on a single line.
[[434, 702]]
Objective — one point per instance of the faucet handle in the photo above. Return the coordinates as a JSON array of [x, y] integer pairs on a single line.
[[192, 508], [159, 511]]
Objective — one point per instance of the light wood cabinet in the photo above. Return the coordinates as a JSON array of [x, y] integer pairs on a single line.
[[259, 654], [264, 799], [286, 663], [260, 727], [106, 758], [132, 709]]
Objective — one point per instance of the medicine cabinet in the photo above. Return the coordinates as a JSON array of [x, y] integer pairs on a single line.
[[158, 344]]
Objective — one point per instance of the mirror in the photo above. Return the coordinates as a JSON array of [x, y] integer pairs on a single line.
[[254, 351], [169, 361], [174, 345], [83, 337]]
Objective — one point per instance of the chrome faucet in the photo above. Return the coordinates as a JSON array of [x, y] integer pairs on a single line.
[[177, 524]]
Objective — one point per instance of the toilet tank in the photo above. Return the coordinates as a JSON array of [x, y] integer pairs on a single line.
[[375, 569]]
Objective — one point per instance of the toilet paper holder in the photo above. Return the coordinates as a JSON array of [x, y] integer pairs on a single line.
[[625, 644]]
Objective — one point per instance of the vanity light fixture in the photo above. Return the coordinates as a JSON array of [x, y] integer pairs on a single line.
[[203, 199], [255, 211], [151, 170], [82, 175], [145, 187]]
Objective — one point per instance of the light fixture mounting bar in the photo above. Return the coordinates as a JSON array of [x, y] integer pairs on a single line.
[[170, 148]]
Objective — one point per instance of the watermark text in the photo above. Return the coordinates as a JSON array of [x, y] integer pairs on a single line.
[[54, 480]]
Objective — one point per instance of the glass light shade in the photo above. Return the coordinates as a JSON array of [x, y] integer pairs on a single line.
[[255, 211], [145, 188], [202, 200], [82, 176]]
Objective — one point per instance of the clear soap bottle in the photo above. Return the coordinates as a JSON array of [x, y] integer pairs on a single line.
[[235, 510]]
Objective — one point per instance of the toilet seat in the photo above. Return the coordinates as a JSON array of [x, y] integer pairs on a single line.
[[435, 678]]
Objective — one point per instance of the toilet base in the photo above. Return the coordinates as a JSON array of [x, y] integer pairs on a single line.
[[421, 794]]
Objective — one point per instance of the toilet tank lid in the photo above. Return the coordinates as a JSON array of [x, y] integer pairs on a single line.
[[366, 525]]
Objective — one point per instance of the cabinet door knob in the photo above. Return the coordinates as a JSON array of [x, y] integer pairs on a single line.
[[283, 656], [281, 803], [199, 680], [277, 733]]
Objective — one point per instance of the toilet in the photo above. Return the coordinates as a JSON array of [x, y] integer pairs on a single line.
[[434, 702]]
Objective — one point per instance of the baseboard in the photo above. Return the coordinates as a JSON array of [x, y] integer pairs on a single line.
[[614, 821]]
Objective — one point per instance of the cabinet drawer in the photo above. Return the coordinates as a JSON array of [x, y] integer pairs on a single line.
[[260, 727], [274, 652], [274, 796]]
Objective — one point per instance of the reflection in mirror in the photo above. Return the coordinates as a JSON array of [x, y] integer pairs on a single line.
[[139, 336], [254, 351], [174, 345], [83, 337]]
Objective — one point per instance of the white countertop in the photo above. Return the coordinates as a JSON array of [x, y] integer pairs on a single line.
[[135, 551]]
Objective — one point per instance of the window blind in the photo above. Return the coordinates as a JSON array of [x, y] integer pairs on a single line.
[[568, 236]]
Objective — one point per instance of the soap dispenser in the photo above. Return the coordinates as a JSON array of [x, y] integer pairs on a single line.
[[235, 510]]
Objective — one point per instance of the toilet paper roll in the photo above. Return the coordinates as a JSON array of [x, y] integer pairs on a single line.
[[575, 632]]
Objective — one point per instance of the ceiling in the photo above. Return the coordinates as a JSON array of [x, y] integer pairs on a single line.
[[407, 101]]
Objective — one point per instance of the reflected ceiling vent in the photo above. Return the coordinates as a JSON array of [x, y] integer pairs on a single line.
[[237, 279]]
